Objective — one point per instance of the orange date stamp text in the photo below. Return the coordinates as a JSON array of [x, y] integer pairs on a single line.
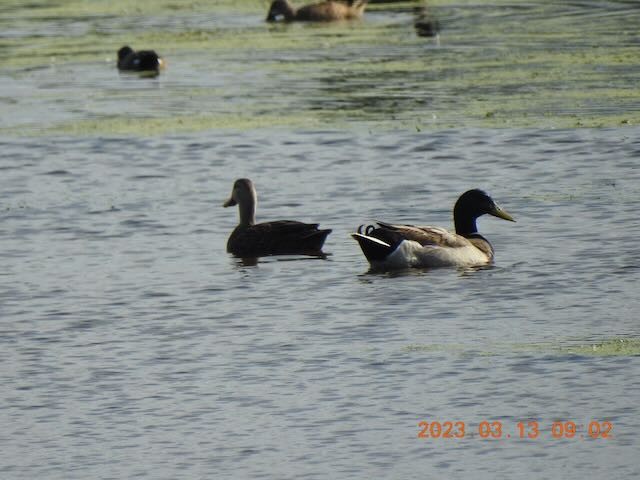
[[525, 429]]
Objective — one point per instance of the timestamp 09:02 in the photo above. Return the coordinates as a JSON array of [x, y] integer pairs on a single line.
[[524, 429]]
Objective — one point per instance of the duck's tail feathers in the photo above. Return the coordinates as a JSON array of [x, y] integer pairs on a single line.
[[316, 239], [375, 250]]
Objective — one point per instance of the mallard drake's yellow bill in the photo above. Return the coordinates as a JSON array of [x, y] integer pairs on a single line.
[[500, 213]]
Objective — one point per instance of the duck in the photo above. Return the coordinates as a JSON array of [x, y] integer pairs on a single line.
[[140, 61], [326, 11], [389, 246], [281, 237], [425, 24]]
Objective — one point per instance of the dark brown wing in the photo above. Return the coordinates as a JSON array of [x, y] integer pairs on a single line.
[[282, 237]]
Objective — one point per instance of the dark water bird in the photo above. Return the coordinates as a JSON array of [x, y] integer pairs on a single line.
[[388, 246], [281, 237], [140, 61], [327, 11], [425, 23]]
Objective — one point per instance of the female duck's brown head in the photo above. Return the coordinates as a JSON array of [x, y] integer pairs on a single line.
[[327, 11], [244, 195]]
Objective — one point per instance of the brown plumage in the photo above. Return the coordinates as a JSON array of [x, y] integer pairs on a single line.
[[280, 237], [327, 11]]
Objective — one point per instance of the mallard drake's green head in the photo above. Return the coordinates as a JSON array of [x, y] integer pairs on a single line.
[[473, 204]]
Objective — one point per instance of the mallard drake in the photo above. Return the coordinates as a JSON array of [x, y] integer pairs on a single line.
[[281, 237], [388, 246], [327, 11], [141, 61]]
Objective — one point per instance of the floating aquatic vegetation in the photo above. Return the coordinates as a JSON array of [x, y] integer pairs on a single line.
[[502, 65], [613, 347]]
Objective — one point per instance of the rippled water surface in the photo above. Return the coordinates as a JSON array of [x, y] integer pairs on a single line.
[[133, 345]]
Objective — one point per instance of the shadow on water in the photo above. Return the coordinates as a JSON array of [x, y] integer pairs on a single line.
[[423, 272], [254, 261]]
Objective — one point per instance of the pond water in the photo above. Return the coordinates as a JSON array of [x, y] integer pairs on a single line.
[[133, 345]]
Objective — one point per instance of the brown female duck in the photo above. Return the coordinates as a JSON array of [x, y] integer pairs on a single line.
[[281, 237], [327, 11]]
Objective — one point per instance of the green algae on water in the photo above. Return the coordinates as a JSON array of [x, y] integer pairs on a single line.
[[617, 347], [614, 347], [502, 65]]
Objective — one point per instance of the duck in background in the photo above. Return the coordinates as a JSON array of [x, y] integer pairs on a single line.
[[280, 237], [140, 61], [327, 11], [388, 246], [426, 24]]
